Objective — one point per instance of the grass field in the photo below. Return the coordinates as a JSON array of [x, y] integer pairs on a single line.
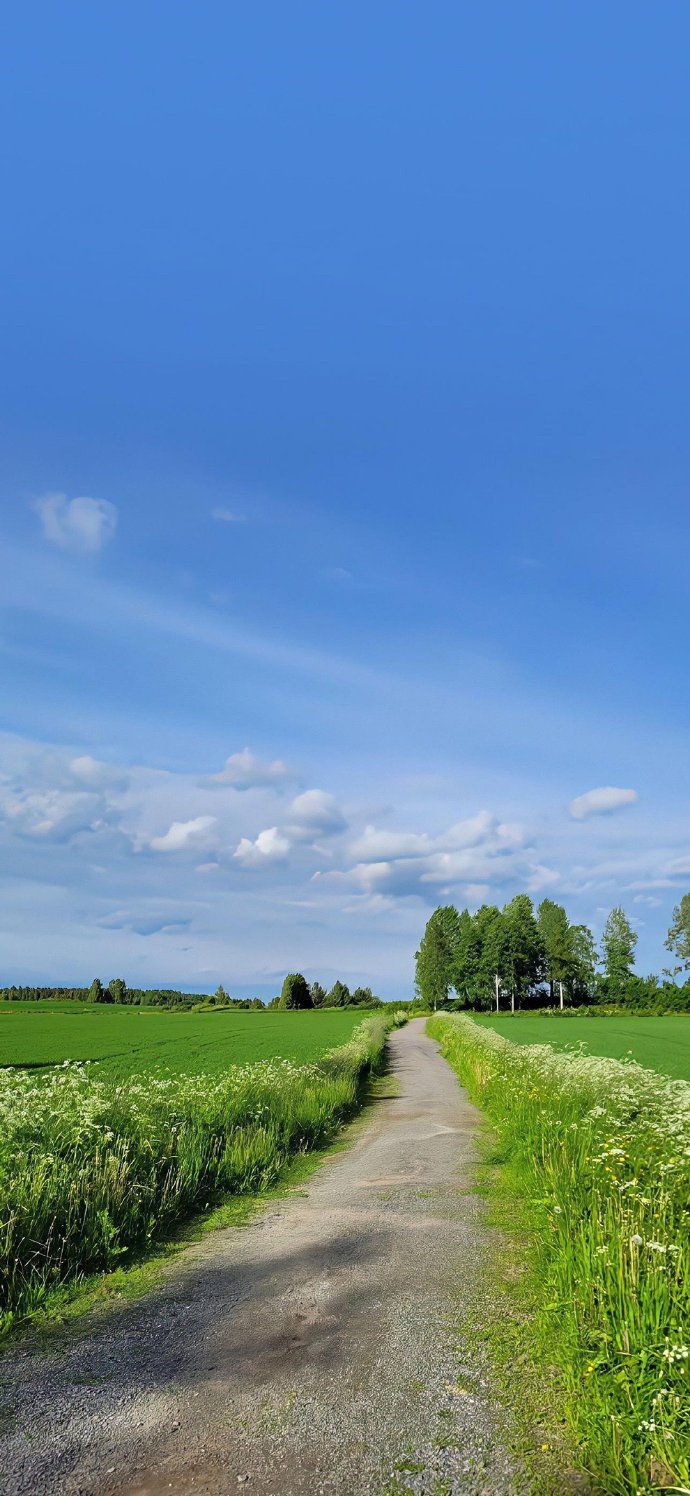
[[661, 1044], [128, 1041]]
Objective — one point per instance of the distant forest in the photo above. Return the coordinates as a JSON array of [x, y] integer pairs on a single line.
[[296, 993]]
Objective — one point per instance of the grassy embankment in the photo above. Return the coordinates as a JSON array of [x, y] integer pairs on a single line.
[[600, 1153], [658, 1043], [92, 1168]]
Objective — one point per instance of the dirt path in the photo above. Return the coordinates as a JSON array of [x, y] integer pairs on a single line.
[[315, 1350]]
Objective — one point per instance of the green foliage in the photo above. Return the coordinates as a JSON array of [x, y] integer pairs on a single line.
[[436, 959], [118, 990], [318, 995], [601, 1151], [678, 938], [524, 948], [91, 1170], [98, 993], [338, 997], [295, 992], [618, 945]]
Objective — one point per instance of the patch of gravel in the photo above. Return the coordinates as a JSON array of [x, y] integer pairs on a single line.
[[315, 1350]]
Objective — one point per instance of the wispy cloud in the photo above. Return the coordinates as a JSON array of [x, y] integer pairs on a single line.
[[244, 771], [80, 524], [602, 801], [227, 516]]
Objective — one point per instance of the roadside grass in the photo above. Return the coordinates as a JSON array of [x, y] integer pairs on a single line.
[[93, 1173], [593, 1166]]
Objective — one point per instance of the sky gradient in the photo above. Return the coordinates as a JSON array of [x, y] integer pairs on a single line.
[[344, 479]]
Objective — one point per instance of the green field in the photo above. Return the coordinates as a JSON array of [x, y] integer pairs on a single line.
[[661, 1044], [129, 1041]]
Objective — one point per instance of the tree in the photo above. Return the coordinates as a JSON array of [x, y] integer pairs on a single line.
[[118, 990], [492, 961], [338, 997], [524, 947], [318, 995], [556, 936], [363, 997], [618, 944], [436, 959], [295, 992], [220, 996], [678, 938], [584, 959], [467, 958], [96, 992]]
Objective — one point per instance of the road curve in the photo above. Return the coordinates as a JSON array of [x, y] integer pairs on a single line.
[[318, 1349]]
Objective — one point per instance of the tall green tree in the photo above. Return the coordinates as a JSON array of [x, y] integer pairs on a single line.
[[96, 991], [618, 946], [435, 968], [295, 991], [678, 938], [492, 956], [524, 947], [338, 997], [556, 936], [584, 959], [467, 956], [318, 995], [118, 990]]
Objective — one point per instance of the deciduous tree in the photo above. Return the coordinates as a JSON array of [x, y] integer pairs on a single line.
[[295, 991], [618, 945]]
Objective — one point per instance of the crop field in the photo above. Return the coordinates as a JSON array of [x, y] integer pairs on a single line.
[[130, 1041], [658, 1043], [598, 1155]]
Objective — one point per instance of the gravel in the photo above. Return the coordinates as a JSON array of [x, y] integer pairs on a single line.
[[316, 1350]]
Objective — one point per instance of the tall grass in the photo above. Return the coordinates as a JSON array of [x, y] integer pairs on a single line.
[[602, 1151], [92, 1169]]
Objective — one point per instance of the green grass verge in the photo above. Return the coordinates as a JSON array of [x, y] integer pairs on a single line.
[[595, 1169], [658, 1043], [93, 1172]]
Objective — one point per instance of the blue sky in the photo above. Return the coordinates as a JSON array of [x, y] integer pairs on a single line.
[[344, 480]]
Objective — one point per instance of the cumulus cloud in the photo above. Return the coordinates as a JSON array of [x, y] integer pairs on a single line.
[[51, 815], [477, 851], [77, 524], [244, 771], [602, 801], [270, 846], [182, 835], [314, 814]]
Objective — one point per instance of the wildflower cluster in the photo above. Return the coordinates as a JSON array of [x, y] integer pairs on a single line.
[[92, 1168], [602, 1149]]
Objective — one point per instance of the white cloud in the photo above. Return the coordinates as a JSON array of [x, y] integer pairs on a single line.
[[77, 524], [244, 771], [227, 516], [270, 846], [183, 834], [542, 877], [51, 815], [601, 801], [315, 813]]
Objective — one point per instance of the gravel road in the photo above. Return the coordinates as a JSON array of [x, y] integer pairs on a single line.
[[315, 1350]]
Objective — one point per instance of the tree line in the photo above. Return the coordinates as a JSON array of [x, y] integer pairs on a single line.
[[523, 957], [297, 992]]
